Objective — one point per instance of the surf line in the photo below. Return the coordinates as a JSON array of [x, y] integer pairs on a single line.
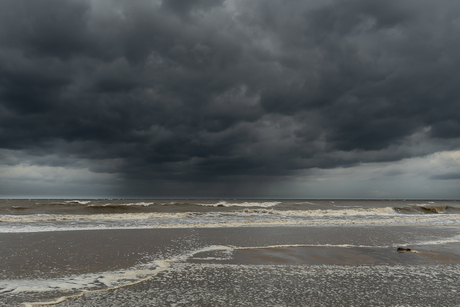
[[165, 266], [162, 266]]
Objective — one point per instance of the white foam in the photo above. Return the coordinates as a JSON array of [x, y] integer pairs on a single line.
[[85, 283], [89, 217], [243, 218], [244, 204], [159, 215], [117, 279], [76, 282], [139, 204], [81, 202], [106, 281], [455, 239], [293, 223], [309, 245], [343, 212]]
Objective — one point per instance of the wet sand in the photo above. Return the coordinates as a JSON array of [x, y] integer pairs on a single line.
[[295, 266], [287, 285], [313, 255], [51, 254]]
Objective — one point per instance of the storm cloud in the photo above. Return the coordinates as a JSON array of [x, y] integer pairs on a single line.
[[226, 92]]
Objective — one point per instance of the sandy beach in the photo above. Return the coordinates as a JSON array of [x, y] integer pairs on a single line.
[[295, 266]]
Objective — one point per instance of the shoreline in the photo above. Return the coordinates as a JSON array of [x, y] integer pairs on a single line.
[[96, 260], [85, 251]]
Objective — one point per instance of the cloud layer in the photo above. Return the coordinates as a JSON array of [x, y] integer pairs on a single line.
[[225, 92]]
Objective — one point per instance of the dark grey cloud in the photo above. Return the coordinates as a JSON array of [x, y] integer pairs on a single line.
[[447, 176], [226, 91]]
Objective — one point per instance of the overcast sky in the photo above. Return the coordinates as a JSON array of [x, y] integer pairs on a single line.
[[234, 98]]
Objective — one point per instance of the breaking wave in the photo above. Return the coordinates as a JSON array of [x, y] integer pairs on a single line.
[[208, 214], [426, 209], [159, 215], [79, 202], [92, 217], [319, 212], [244, 204], [139, 204]]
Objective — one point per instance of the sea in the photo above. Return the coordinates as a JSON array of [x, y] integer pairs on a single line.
[[227, 252]]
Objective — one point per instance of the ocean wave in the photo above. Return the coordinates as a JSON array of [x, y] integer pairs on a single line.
[[75, 225], [80, 202], [223, 204], [253, 224], [209, 215], [427, 209], [248, 217], [434, 209], [295, 223], [319, 212], [66, 203], [244, 204], [123, 205], [178, 203], [89, 217]]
